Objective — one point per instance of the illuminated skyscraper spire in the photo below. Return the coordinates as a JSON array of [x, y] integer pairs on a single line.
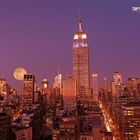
[[80, 37], [80, 24]]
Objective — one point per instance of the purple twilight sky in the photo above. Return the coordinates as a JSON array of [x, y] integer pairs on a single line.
[[38, 34]]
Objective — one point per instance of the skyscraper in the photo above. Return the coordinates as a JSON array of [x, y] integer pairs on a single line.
[[69, 94], [28, 89], [4, 89], [117, 84], [132, 85], [95, 86], [80, 60], [57, 81], [107, 85], [57, 85]]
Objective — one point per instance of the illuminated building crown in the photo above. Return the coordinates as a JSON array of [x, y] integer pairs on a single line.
[[80, 34]]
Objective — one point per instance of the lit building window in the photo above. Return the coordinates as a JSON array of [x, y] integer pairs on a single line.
[[128, 113], [75, 36], [84, 36]]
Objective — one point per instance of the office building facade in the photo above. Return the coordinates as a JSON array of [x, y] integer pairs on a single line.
[[80, 61]]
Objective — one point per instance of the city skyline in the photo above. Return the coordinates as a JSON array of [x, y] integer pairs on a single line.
[[36, 37], [69, 70]]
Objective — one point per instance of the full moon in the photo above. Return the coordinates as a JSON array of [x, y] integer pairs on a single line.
[[19, 73]]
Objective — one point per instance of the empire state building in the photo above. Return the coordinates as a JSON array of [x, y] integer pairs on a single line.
[[80, 61]]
